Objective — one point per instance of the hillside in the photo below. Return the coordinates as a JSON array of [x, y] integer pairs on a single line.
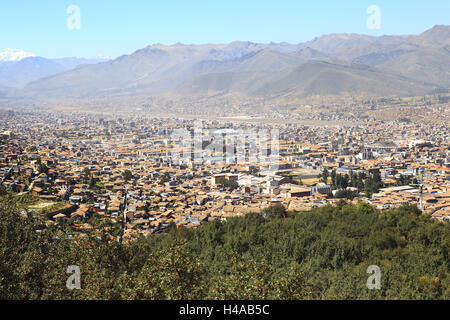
[[313, 78], [18, 73], [430, 65], [155, 70], [264, 60]]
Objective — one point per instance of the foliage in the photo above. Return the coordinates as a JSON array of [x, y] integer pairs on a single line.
[[228, 183], [127, 175], [43, 168], [320, 254], [275, 211], [324, 176], [369, 183], [165, 178], [346, 194]]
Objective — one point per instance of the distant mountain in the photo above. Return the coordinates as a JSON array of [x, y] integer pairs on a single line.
[[430, 65], [14, 55], [18, 73], [73, 62], [376, 50], [380, 57], [157, 69], [312, 78], [328, 65], [142, 67], [350, 46], [437, 36], [263, 60]]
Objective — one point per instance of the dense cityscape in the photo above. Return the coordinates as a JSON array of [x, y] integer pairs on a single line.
[[80, 167]]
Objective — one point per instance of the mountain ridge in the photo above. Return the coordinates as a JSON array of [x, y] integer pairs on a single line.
[[176, 69], [18, 73], [307, 79]]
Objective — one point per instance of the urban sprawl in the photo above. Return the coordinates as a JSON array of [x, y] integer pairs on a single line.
[[120, 174]]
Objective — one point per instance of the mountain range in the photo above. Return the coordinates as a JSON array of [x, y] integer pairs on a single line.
[[18, 68], [336, 64]]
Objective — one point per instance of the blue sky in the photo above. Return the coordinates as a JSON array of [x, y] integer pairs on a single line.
[[115, 27]]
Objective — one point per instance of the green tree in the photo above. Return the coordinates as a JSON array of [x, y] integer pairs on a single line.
[[228, 183], [86, 175], [43, 168], [127, 175], [325, 175], [318, 254], [275, 211], [333, 177]]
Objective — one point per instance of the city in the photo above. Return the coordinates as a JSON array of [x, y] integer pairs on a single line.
[[225, 159], [74, 166]]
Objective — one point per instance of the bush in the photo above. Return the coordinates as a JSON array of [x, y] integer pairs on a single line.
[[320, 254]]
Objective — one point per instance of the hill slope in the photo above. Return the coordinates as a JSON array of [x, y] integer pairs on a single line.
[[19, 73], [313, 78], [429, 65]]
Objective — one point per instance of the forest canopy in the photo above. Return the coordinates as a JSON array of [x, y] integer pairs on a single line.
[[320, 254]]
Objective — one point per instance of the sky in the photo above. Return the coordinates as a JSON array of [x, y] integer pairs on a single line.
[[116, 27]]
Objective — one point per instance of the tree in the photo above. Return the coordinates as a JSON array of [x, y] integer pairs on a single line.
[[377, 178], [347, 194], [165, 178], [92, 183], [43, 168], [127, 175], [361, 178], [353, 179], [228, 183], [373, 183], [325, 175], [344, 181], [253, 170], [171, 273], [333, 177], [319, 254], [370, 186], [85, 175], [275, 211]]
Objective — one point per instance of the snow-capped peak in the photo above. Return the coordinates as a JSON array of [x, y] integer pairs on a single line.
[[14, 55]]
